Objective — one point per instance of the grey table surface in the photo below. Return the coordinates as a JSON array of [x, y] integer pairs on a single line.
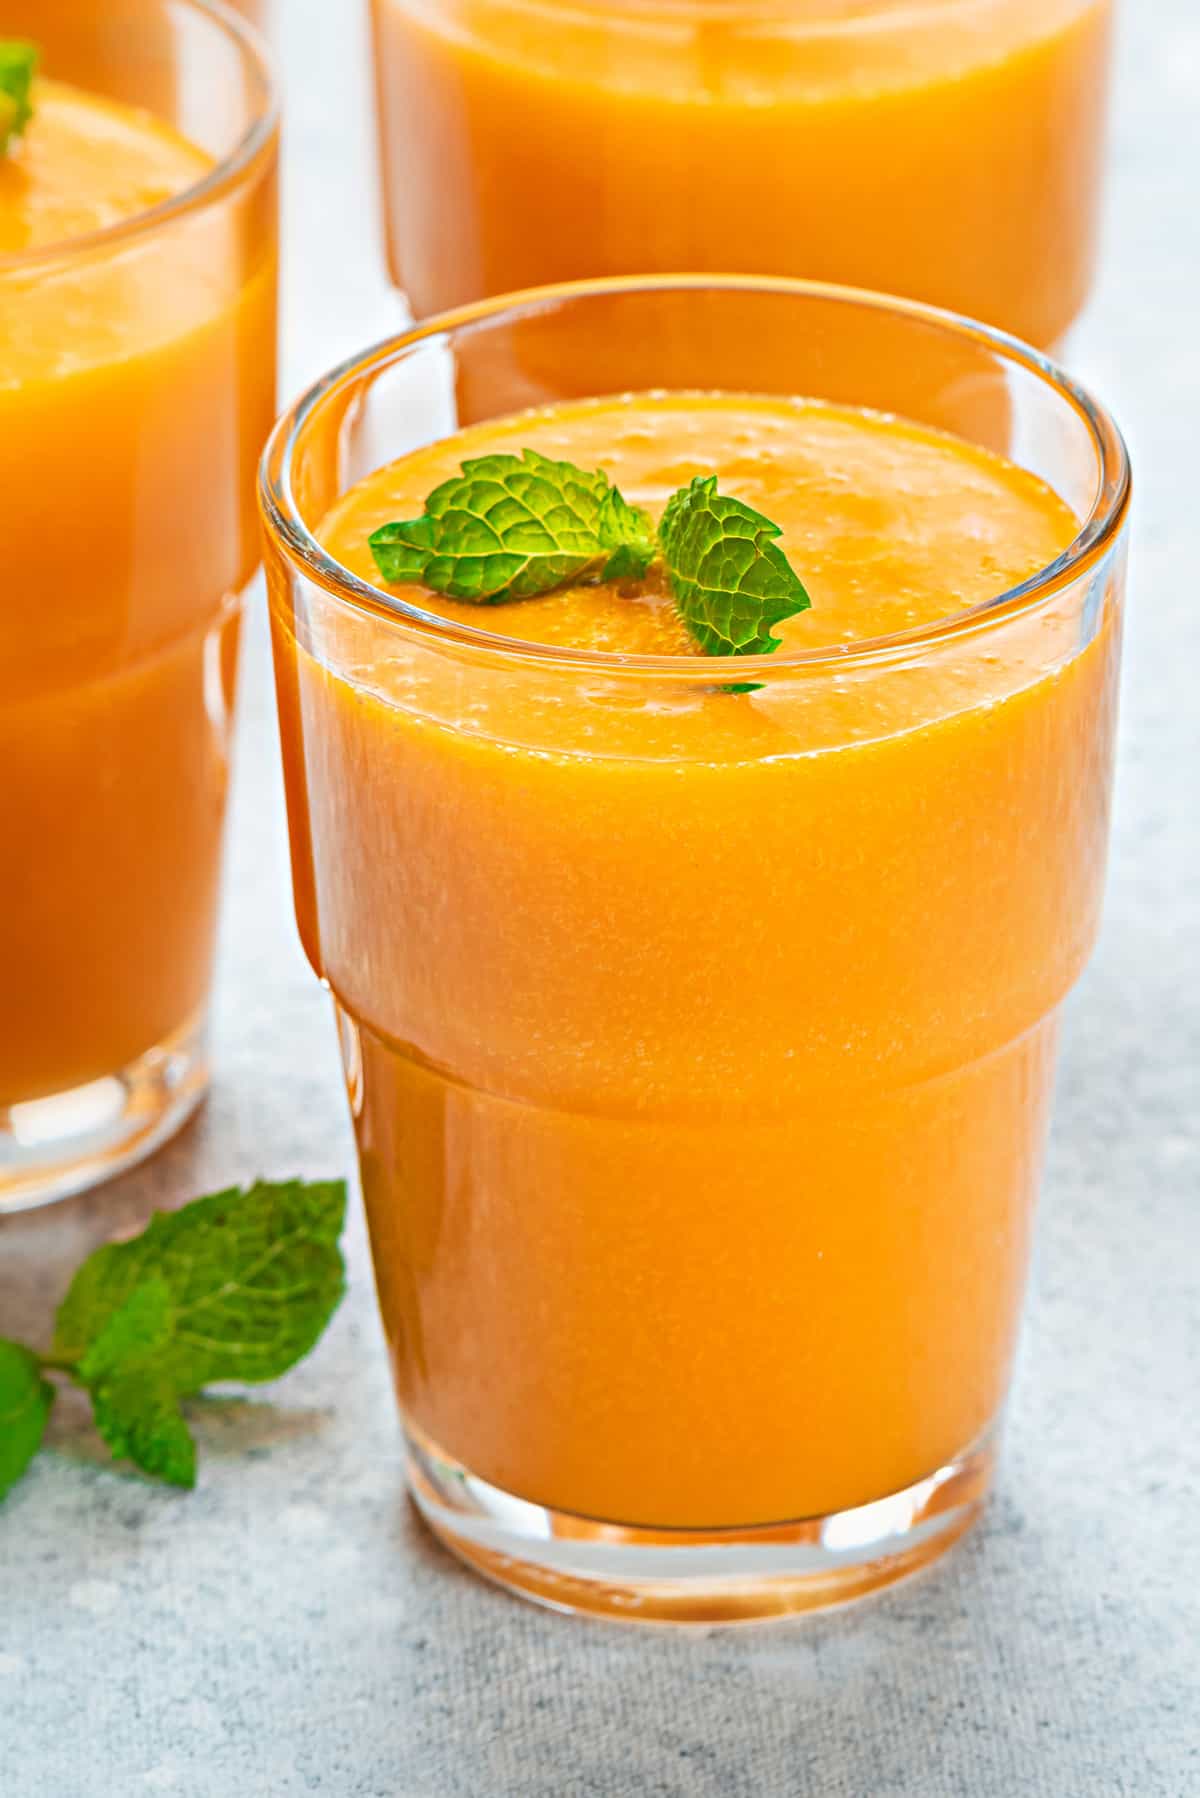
[[289, 1628]]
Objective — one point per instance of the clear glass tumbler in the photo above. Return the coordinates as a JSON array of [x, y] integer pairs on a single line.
[[700, 1096], [950, 150], [137, 385]]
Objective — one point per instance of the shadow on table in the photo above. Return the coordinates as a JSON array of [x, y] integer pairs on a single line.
[[955, 1683]]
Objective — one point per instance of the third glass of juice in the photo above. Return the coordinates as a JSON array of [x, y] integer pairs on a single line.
[[950, 150], [699, 1016], [137, 364]]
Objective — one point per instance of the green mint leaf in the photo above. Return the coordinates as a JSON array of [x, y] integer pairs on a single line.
[[135, 1399], [18, 65], [252, 1276], [25, 1401], [142, 1328], [628, 532], [137, 1413], [511, 527], [732, 582], [628, 562]]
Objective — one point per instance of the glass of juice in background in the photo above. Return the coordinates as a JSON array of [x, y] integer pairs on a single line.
[[948, 150], [259, 13], [138, 250], [699, 1034]]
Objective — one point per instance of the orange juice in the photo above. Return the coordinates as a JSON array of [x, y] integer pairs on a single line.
[[699, 1041], [949, 150], [136, 384]]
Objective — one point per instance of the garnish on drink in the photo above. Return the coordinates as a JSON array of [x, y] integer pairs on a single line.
[[513, 527], [18, 65]]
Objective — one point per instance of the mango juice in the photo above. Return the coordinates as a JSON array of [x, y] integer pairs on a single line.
[[950, 152], [137, 322], [699, 1039]]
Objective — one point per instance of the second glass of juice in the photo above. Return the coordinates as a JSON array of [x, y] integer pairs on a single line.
[[699, 1017], [949, 150], [137, 370]]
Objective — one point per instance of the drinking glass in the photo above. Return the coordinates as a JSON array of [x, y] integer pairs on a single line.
[[950, 150], [137, 370], [700, 1091]]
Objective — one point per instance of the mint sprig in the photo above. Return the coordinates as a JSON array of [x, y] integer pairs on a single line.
[[511, 527], [234, 1287], [18, 65], [514, 527]]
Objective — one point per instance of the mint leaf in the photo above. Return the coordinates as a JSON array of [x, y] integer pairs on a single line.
[[135, 1398], [18, 65], [628, 532], [137, 1413], [25, 1401], [511, 527], [732, 582], [253, 1278]]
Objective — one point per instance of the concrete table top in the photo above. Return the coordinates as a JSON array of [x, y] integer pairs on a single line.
[[289, 1628]]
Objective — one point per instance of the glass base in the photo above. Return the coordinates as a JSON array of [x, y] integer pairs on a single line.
[[695, 1576], [52, 1148]]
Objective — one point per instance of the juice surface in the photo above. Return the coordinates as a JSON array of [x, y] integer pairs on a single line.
[[136, 381], [890, 526], [86, 163], [948, 151], [699, 1042]]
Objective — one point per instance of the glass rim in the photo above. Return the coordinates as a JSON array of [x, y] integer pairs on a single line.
[[225, 173], [902, 16], [288, 531]]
